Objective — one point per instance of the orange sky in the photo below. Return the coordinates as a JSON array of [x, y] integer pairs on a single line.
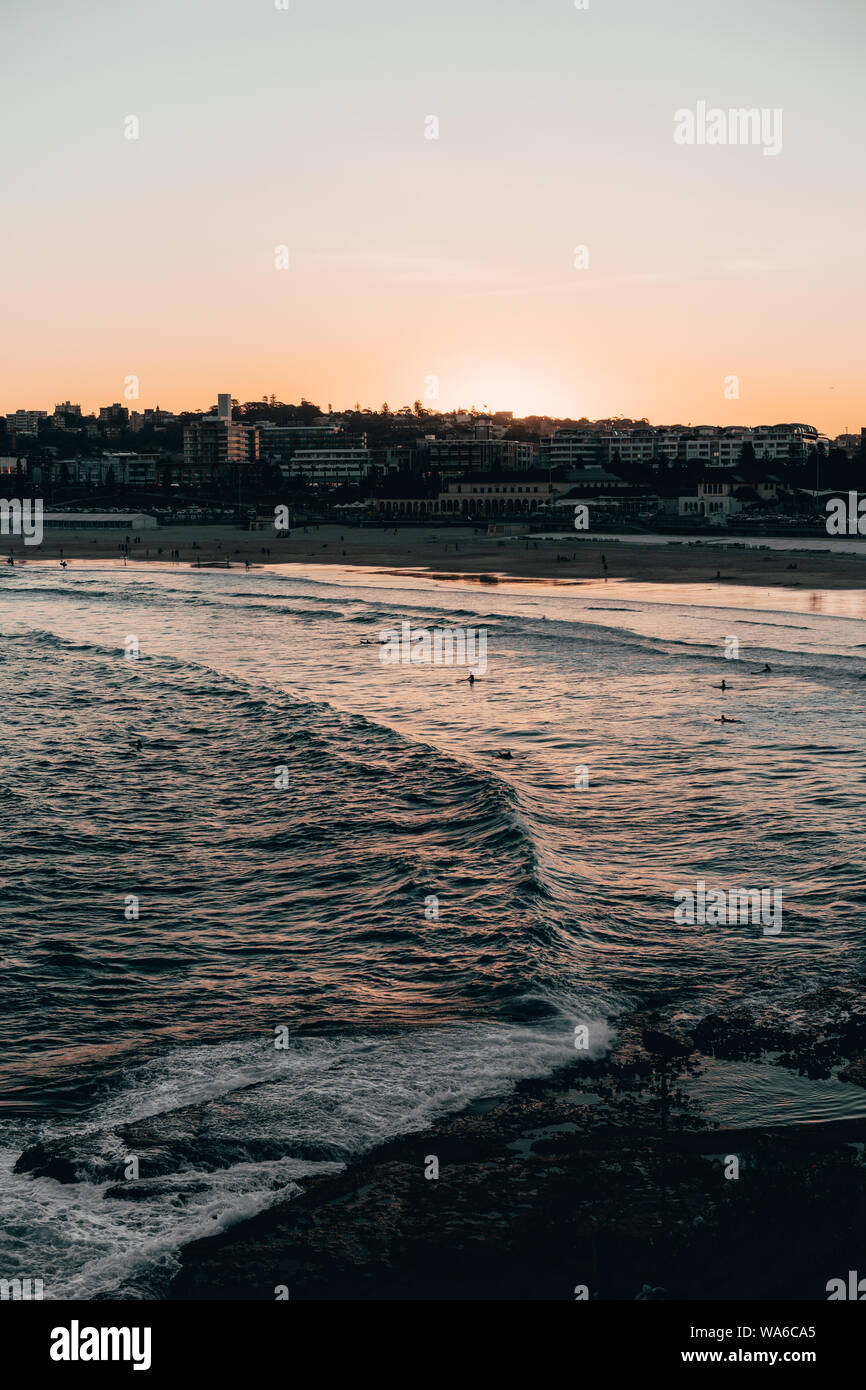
[[449, 258]]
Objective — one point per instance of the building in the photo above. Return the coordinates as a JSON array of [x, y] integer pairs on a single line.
[[279, 443], [99, 521], [714, 500], [785, 443], [134, 470], [216, 443], [848, 443], [713, 445], [328, 465], [465, 454], [156, 418], [114, 417], [25, 421], [66, 416], [478, 498]]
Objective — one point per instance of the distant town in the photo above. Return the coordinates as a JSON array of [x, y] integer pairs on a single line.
[[415, 465]]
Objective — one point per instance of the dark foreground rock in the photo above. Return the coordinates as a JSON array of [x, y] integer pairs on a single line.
[[604, 1176]]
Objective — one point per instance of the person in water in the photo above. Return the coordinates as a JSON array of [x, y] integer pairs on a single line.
[[723, 719], [723, 686]]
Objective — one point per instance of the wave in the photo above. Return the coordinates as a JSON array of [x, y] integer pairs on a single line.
[[219, 1133]]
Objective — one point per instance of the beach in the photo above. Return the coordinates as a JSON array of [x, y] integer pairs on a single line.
[[455, 551]]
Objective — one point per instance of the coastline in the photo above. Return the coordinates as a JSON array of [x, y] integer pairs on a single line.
[[559, 1185], [460, 553]]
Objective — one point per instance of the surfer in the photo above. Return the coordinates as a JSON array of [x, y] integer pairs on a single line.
[[722, 719]]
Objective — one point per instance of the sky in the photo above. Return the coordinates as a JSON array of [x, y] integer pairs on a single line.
[[445, 265]]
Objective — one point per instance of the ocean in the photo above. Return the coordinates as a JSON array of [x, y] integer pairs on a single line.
[[315, 910]]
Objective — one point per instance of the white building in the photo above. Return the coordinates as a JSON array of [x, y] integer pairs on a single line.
[[328, 465], [99, 521], [713, 500]]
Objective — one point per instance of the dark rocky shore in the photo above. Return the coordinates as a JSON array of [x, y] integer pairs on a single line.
[[605, 1175]]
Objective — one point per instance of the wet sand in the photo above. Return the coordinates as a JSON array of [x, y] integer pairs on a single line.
[[461, 552]]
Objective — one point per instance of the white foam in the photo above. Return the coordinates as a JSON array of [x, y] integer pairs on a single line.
[[351, 1092]]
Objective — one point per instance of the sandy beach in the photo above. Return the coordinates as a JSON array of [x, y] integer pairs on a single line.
[[458, 552]]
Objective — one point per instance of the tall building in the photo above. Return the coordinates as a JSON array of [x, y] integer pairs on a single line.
[[25, 421], [217, 442], [114, 416]]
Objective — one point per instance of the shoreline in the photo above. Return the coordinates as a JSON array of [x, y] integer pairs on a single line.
[[460, 553], [566, 1182]]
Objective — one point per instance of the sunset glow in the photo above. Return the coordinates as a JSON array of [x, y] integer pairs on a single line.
[[453, 257]]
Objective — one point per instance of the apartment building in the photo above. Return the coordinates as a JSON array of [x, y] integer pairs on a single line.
[[328, 465]]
